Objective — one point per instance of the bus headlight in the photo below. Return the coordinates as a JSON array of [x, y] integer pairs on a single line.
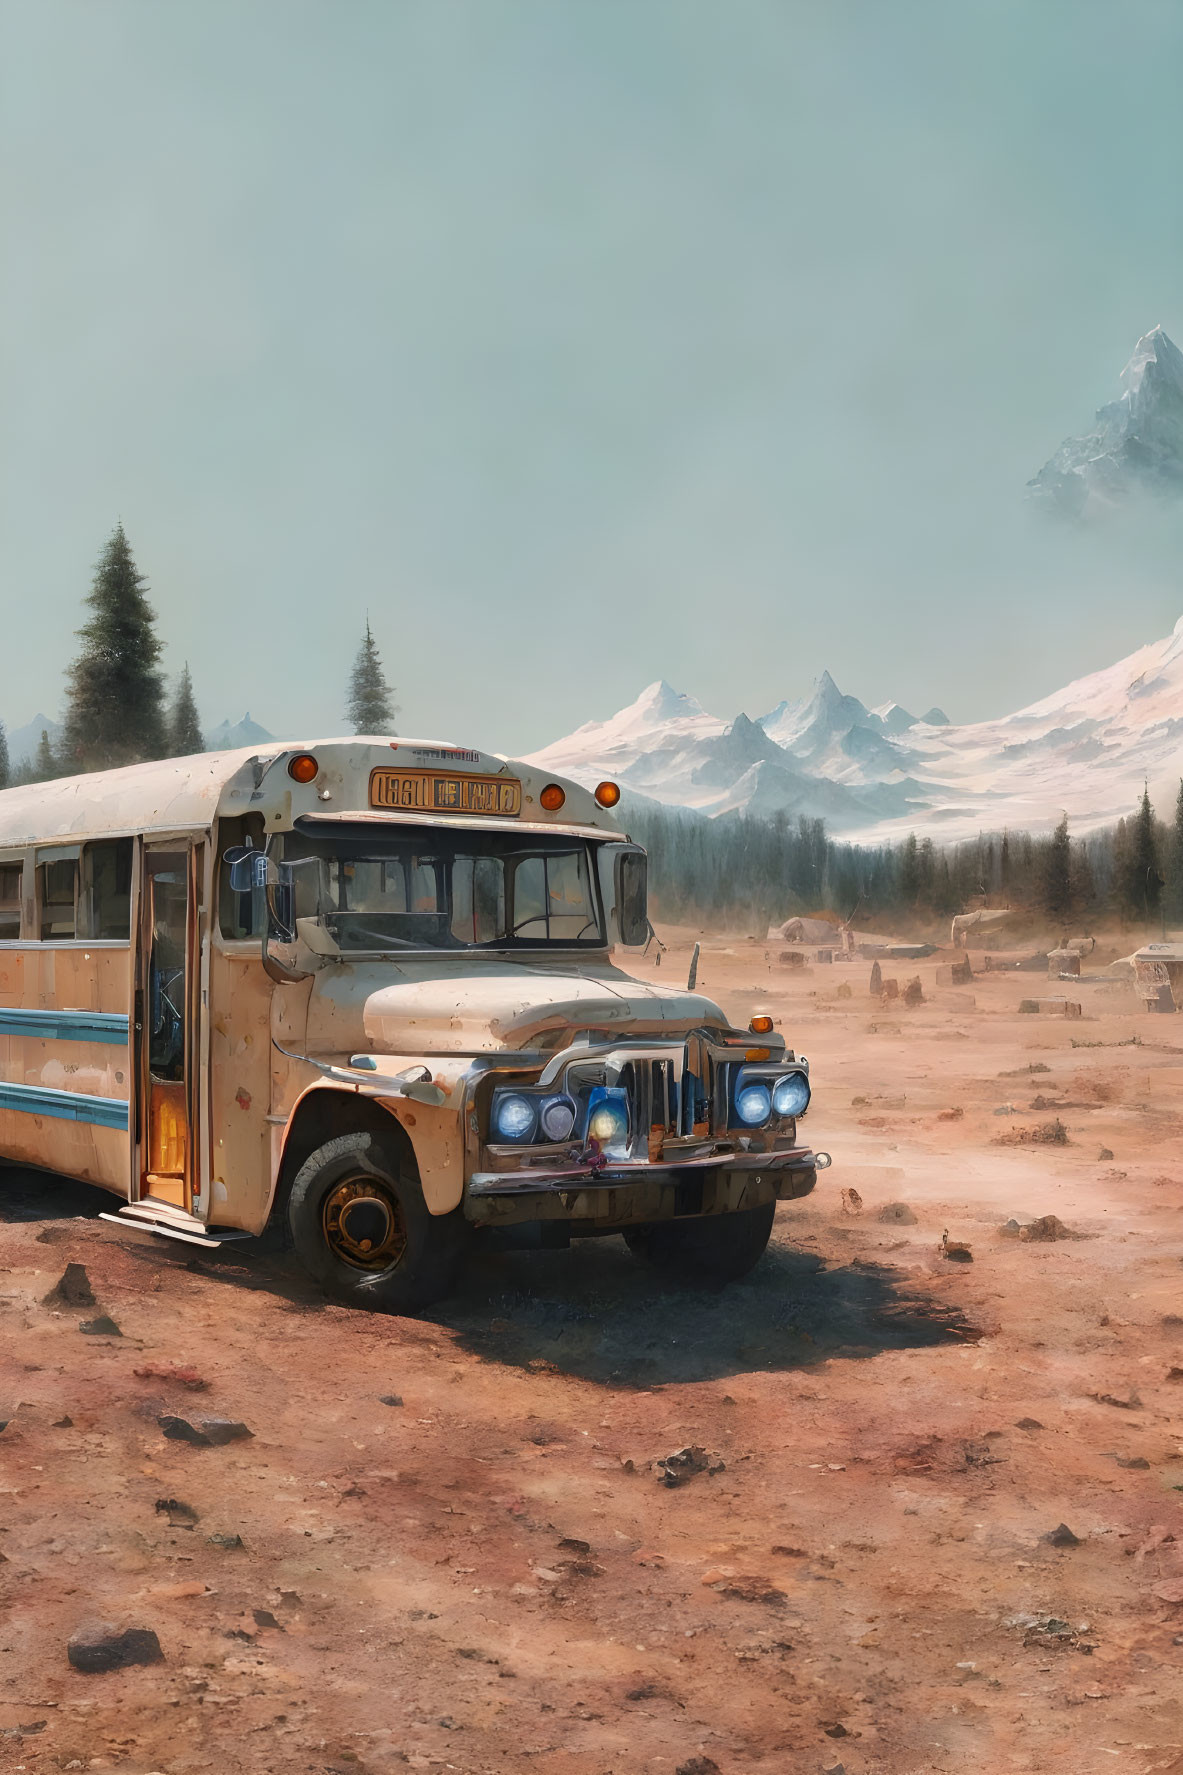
[[557, 1118], [607, 1117], [753, 1104], [514, 1117], [790, 1095]]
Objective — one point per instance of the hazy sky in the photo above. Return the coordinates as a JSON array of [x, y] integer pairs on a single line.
[[583, 342]]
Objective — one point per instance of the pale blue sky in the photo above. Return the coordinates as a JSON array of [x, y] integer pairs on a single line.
[[582, 341]]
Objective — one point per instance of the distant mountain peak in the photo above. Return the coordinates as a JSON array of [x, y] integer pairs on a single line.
[[1136, 444]]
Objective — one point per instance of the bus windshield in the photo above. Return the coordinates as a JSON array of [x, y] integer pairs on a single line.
[[428, 888]]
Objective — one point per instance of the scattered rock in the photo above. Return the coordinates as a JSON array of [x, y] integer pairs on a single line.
[[1174, 1374], [72, 1289], [678, 1468], [698, 1766], [1028, 1424], [897, 1214], [206, 1433], [569, 1544], [390, 1399], [1061, 1536], [1048, 1226], [179, 1515], [833, 1729], [1105, 1155], [62, 1424], [170, 1371], [99, 1647], [913, 991], [264, 1618], [954, 1250], [103, 1326], [852, 1202], [951, 1115], [647, 1692], [753, 1589], [1171, 1591], [1133, 1403], [1046, 1134], [1138, 1463], [228, 1543]]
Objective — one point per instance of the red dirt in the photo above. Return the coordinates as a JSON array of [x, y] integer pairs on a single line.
[[490, 1577]]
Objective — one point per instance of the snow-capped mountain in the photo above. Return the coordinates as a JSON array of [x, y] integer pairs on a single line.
[[878, 774], [1136, 442]]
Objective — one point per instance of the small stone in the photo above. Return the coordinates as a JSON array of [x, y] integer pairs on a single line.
[[222, 1430], [1105, 1155], [1028, 1424], [62, 1424], [228, 1543], [1138, 1462], [72, 1289], [103, 1326], [179, 1515], [206, 1433], [1061, 1536], [101, 1647], [1174, 1374], [698, 1766], [180, 1430], [897, 1214], [264, 1618], [390, 1399], [835, 1729]]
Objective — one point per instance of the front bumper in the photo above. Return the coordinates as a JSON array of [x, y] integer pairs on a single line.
[[628, 1194]]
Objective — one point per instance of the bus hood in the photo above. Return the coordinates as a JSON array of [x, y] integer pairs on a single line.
[[425, 1007]]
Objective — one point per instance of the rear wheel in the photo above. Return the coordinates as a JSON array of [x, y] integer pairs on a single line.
[[716, 1248], [361, 1228]]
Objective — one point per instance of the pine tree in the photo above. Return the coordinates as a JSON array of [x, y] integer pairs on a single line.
[[371, 706], [45, 765], [5, 765], [115, 714], [184, 723], [1055, 888], [1145, 888]]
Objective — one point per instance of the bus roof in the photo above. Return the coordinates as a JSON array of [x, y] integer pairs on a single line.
[[188, 794]]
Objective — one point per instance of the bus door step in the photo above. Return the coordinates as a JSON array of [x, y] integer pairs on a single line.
[[172, 1223]]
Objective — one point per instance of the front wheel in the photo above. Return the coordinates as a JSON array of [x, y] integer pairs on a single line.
[[361, 1228], [717, 1248]]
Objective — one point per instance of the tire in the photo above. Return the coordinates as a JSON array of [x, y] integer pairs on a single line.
[[716, 1248], [361, 1228]]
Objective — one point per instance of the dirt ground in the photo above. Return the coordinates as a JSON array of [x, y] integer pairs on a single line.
[[457, 1552]]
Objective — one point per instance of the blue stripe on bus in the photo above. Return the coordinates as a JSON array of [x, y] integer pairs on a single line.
[[67, 1106], [65, 1026]]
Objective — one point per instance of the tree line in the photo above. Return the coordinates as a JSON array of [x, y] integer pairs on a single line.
[[751, 873], [119, 709]]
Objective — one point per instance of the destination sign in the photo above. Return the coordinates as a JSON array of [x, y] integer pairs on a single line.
[[434, 792]]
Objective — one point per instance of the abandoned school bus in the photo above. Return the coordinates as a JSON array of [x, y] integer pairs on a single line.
[[362, 992]]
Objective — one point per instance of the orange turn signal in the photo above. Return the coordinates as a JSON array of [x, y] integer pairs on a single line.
[[761, 1025], [303, 767], [552, 798], [607, 794]]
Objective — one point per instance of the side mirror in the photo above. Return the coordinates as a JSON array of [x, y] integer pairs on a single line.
[[632, 897]]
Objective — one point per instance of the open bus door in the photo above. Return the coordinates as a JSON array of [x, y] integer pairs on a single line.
[[167, 1019]]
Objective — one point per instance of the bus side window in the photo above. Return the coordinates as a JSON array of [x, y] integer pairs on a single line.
[[11, 875], [57, 898], [106, 897], [236, 911]]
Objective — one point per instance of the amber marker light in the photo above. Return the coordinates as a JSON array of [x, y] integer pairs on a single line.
[[761, 1025], [303, 767], [607, 794], [552, 798]]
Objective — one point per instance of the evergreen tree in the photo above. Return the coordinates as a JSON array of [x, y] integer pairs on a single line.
[[45, 765], [1056, 875], [371, 707], [115, 714], [1145, 889], [184, 723], [5, 766], [1175, 861]]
